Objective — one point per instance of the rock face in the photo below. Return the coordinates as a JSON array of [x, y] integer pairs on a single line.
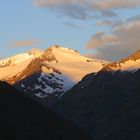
[[21, 118], [106, 104], [47, 75], [42, 87]]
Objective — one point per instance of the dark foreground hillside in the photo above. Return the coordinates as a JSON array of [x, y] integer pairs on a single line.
[[21, 118], [106, 105]]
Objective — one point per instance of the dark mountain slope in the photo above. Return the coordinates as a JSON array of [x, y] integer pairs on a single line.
[[106, 105], [21, 118], [37, 86]]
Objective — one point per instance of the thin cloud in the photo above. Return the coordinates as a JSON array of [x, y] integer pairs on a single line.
[[105, 23], [108, 13], [134, 18], [85, 9], [123, 41], [111, 23], [100, 39], [25, 43], [76, 26]]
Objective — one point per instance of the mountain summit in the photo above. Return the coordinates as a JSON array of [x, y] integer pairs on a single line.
[[129, 64], [48, 73]]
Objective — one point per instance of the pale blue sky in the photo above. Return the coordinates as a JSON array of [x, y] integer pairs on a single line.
[[20, 20]]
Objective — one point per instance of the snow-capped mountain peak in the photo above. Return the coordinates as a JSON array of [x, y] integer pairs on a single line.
[[57, 53], [15, 59], [66, 50], [129, 64], [71, 63], [67, 61], [19, 58], [36, 52], [44, 72]]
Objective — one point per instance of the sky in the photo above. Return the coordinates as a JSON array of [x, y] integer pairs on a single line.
[[104, 29]]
